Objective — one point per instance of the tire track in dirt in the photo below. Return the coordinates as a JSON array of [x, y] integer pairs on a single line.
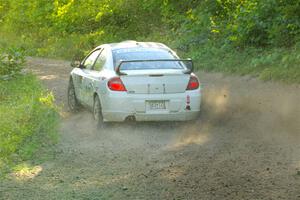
[[245, 145]]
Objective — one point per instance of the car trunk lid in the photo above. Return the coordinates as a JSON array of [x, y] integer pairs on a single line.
[[155, 81]]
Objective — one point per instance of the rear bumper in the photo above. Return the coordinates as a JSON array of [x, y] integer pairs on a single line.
[[182, 116], [117, 106]]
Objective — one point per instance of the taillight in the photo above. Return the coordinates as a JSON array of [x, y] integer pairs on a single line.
[[193, 83], [116, 84]]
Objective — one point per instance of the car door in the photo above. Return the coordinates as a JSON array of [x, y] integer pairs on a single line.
[[96, 77], [85, 75]]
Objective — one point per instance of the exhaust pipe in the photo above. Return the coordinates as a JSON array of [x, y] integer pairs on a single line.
[[130, 118]]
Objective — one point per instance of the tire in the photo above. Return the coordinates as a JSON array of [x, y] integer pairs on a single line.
[[97, 113], [73, 103]]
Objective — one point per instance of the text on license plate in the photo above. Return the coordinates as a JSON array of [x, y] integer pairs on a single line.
[[157, 105]]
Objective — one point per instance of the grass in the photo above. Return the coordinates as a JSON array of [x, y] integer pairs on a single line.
[[28, 121], [275, 64]]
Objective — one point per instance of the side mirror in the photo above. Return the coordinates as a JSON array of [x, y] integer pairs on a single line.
[[76, 64]]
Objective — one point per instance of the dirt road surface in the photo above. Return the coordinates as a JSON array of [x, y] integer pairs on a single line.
[[245, 145]]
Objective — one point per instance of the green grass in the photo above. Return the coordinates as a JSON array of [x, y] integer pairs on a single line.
[[276, 64], [28, 121]]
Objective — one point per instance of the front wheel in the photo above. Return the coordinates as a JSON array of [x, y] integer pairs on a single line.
[[73, 103], [97, 112]]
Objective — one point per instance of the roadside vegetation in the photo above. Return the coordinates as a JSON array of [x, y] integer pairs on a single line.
[[257, 37], [28, 117]]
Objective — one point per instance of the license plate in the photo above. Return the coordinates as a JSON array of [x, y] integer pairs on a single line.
[[157, 105]]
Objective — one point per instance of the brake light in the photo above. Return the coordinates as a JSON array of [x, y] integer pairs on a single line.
[[116, 84], [193, 83]]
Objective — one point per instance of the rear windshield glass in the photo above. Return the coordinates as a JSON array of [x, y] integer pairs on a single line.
[[145, 54]]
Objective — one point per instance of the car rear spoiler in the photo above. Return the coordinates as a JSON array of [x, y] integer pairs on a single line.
[[187, 71]]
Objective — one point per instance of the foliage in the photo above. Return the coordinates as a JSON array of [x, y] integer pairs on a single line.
[[11, 61], [28, 120], [267, 64], [69, 28]]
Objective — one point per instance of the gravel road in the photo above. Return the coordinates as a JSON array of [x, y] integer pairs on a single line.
[[245, 145]]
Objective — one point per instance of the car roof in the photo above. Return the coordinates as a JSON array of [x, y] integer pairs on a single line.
[[134, 44]]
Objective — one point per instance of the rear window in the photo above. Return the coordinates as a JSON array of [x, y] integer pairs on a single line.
[[145, 54]]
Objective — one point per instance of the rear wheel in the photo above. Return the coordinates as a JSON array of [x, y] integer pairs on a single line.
[[97, 112], [73, 103]]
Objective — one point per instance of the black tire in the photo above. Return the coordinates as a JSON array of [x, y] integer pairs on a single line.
[[73, 103], [97, 113]]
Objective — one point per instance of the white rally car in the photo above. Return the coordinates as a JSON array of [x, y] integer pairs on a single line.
[[142, 81]]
